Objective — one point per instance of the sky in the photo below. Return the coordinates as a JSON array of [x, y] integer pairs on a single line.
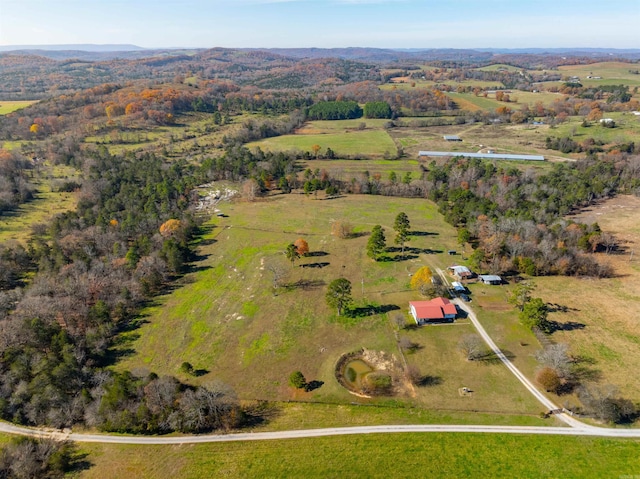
[[324, 23]]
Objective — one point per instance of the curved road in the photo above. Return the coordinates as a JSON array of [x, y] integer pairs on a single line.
[[576, 428]]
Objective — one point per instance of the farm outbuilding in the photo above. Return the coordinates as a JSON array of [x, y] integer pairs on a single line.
[[438, 309], [458, 287], [460, 272], [490, 279], [452, 138]]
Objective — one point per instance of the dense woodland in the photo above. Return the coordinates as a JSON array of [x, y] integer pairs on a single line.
[[80, 280]]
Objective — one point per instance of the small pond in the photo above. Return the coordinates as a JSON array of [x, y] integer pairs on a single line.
[[354, 373]]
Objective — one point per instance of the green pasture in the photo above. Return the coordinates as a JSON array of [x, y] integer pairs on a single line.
[[612, 73], [362, 143], [627, 129], [228, 321], [7, 106], [16, 225], [499, 66], [347, 169], [433, 455]]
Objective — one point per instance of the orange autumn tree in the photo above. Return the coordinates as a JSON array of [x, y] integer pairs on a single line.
[[170, 227], [302, 247]]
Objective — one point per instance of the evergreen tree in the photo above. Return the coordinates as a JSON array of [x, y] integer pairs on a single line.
[[401, 227], [339, 294], [377, 243]]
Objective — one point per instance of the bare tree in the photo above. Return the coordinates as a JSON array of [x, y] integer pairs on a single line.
[[278, 271], [606, 404], [556, 357], [472, 346]]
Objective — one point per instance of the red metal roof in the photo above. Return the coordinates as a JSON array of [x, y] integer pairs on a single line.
[[437, 308]]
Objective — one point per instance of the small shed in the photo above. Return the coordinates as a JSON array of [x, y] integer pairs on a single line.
[[452, 138], [490, 279], [458, 287], [436, 310], [460, 272]]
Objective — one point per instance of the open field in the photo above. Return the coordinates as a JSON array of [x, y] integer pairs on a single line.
[[519, 139], [627, 129], [11, 106], [226, 319], [407, 455], [371, 143], [347, 169], [498, 67], [471, 102], [612, 73], [406, 84], [16, 225]]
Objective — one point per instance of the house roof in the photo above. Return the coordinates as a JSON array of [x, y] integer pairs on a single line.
[[437, 308]]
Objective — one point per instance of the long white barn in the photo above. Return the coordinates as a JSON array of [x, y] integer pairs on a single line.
[[486, 156]]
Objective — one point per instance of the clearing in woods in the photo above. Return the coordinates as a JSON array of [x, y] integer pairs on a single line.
[[11, 106], [226, 320], [347, 138]]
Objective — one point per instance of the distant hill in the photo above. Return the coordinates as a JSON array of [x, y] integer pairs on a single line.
[[88, 47]]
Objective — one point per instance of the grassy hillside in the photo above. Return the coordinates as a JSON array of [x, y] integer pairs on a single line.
[[227, 320], [345, 141], [11, 106]]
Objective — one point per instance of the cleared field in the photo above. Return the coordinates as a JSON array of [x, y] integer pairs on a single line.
[[612, 73], [471, 102], [406, 84], [627, 129], [226, 319], [376, 455], [11, 106], [498, 67], [518, 139], [361, 143], [347, 169], [16, 225]]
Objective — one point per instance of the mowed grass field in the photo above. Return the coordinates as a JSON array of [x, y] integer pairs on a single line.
[[227, 320], [436, 455], [344, 137], [11, 106]]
